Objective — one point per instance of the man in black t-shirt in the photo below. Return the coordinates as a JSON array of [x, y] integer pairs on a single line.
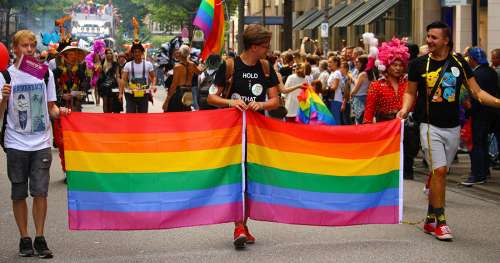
[[482, 118], [437, 77], [245, 83]]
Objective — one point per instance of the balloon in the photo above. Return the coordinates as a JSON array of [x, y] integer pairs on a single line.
[[4, 57]]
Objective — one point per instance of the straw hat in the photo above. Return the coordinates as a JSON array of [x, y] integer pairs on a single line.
[[81, 53]]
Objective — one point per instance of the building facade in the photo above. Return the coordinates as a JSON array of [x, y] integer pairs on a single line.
[[473, 22]]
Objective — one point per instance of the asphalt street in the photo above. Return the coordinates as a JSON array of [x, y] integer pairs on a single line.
[[473, 216]]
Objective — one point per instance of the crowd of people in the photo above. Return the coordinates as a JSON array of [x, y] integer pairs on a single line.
[[430, 87]]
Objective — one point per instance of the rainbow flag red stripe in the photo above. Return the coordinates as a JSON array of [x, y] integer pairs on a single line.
[[320, 175], [153, 171]]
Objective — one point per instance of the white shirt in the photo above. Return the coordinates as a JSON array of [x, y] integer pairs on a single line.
[[338, 92], [52, 64], [291, 101], [28, 123], [323, 77], [138, 70]]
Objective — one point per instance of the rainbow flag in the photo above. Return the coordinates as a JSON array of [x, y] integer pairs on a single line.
[[312, 110], [205, 16], [210, 19], [153, 171], [321, 175]]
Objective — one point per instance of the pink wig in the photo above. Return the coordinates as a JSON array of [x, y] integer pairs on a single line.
[[393, 50]]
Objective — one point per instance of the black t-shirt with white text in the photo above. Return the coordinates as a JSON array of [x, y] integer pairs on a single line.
[[444, 104], [249, 82]]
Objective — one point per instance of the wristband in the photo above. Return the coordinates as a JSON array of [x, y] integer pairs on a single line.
[[230, 103]]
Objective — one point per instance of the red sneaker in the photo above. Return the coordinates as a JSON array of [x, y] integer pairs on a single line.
[[430, 228], [240, 237], [250, 238], [443, 232]]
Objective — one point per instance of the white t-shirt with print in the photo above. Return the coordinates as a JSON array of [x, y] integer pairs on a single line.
[[138, 69], [28, 123]]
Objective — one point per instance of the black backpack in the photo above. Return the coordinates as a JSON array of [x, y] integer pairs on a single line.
[[6, 76]]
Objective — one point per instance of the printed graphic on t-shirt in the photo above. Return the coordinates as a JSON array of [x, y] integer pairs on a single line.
[[29, 101], [446, 90]]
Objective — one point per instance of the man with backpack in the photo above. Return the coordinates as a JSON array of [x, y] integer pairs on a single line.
[[244, 83], [28, 102]]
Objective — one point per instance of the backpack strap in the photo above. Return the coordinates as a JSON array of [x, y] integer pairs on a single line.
[[6, 76], [46, 78], [229, 77], [266, 67]]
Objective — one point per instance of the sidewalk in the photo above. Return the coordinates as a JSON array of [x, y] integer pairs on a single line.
[[460, 171]]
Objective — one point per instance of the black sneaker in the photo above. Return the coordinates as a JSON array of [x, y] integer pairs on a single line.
[[41, 248], [472, 181], [26, 247]]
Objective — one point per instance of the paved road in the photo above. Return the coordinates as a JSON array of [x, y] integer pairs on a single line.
[[473, 216]]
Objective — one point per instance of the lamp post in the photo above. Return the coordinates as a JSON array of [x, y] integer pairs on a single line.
[[264, 12], [325, 27]]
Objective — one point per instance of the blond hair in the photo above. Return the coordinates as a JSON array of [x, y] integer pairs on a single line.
[[21, 35], [184, 51]]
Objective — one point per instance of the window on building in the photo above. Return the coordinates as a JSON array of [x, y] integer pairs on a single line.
[[403, 18]]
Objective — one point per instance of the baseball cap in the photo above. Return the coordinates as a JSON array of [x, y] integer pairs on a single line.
[[478, 55]]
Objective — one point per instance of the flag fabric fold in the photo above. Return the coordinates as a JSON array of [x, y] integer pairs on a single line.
[[153, 171], [312, 110], [320, 175]]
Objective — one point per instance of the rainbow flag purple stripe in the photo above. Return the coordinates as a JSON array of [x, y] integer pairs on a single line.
[[321, 175]]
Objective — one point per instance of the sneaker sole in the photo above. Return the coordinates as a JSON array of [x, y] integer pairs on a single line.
[[250, 242], [25, 255], [45, 256], [445, 237], [240, 242]]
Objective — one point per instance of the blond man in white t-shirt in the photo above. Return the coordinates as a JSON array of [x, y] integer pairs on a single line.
[[29, 102]]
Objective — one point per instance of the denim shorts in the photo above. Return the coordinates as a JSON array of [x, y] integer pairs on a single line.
[[28, 168]]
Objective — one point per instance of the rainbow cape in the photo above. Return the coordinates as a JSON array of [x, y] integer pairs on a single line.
[[210, 19], [312, 110], [153, 171], [158, 171]]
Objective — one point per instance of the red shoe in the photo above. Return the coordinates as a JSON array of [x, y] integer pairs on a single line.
[[240, 237], [250, 238], [430, 228], [443, 232]]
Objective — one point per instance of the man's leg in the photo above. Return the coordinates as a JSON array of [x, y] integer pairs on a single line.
[[39, 214], [438, 187], [142, 104], [39, 188], [20, 209], [18, 169], [130, 105]]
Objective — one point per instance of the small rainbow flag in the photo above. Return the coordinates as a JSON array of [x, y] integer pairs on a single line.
[[210, 19], [153, 171], [322, 175], [312, 110]]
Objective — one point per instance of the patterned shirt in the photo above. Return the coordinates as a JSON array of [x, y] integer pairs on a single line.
[[382, 99]]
